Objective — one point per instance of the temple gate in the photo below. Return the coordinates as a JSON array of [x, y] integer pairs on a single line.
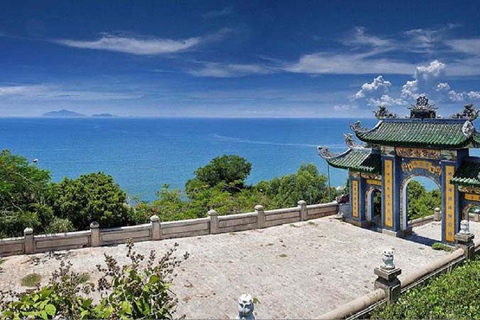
[[399, 149]]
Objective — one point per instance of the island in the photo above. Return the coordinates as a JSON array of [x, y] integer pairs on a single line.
[[63, 114], [104, 115]]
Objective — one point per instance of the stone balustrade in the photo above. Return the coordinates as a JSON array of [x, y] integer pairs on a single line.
[[156, 230]]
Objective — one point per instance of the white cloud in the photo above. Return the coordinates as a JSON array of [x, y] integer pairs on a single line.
[[385, 100], [227, 11], [220, 70], [427, 79], [134, 45], [347, 63], [344, 107], [464, 96], [443, 86], [360, 37], [468, 46], [377, 85], [55, 92]]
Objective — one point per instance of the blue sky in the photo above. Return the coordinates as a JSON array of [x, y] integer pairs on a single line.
[[237, 58]]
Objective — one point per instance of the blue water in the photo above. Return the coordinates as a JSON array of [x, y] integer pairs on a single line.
[[144, 154]]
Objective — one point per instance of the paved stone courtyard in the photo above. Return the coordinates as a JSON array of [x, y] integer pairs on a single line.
[[300, 270]]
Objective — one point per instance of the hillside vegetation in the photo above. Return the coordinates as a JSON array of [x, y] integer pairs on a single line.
[[28, 197]]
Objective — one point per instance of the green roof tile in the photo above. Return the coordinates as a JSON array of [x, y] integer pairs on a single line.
[[467, 174], [430, 133], [357, 159]]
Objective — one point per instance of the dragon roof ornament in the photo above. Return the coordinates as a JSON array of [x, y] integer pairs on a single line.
[[468, 112], [383, 113], [325, 153], [356, 127], [350, 142]]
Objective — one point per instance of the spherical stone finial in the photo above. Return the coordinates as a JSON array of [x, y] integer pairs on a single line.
[[212, 213], [154, 218], [28, 231], [245, 307], [302, 203], [464, 227], [437, 209], [387, 258], [94, 225], [258, 207]]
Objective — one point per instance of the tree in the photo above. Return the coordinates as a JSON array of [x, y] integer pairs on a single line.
[[92, 197], [25, 192], [421, 202], [307, 184], [230, 169]]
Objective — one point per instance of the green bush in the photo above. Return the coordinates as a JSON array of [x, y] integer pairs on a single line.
[[453, 295], [92, 197], [127, 292], [59, 225]]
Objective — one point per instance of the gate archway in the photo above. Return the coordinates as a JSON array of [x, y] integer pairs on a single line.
[[398, 149]]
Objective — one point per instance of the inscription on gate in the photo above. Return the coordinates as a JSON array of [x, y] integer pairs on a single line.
[[420, 164]]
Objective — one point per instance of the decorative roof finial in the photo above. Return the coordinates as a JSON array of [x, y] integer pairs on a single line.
[[356, 127], [350, 142], [383, 113], [325, 153], [423, 109], [468, 112]]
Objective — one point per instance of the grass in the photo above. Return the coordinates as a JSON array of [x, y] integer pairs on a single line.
[[283, 255], [293, 225], [312, 223], [31, 280], [441, 246], [84, 277]]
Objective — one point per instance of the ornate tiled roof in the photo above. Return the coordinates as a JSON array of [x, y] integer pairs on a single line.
[[429, 133], [356, 159], [468, 173]]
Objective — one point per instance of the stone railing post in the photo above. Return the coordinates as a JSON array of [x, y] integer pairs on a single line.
[[95, 233], [303, 209], [29, 241], [437, 214], [387, 277], [245, 307], [213, 221], [464, 240], [156, 227], [261, 220]]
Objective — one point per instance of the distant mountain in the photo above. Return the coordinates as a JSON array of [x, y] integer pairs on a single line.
[[63, 114], [104, 115]]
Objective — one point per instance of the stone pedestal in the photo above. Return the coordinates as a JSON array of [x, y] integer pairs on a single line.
[[261, 220], [29, 241], [437, 214], [95, 233], [465, 242], [213, 221], [388, 281], [156, 227], [303, 209]]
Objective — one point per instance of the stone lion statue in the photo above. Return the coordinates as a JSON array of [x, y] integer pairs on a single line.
[[387, 258], [245, 307]]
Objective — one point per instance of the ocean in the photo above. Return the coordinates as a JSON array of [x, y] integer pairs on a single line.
[[144, 154]]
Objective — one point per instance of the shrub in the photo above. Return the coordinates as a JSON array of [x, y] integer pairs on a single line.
[[453, 295], [59, 225], [127, 292]]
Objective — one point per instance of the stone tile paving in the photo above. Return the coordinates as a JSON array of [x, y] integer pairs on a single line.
[[294, 271]]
